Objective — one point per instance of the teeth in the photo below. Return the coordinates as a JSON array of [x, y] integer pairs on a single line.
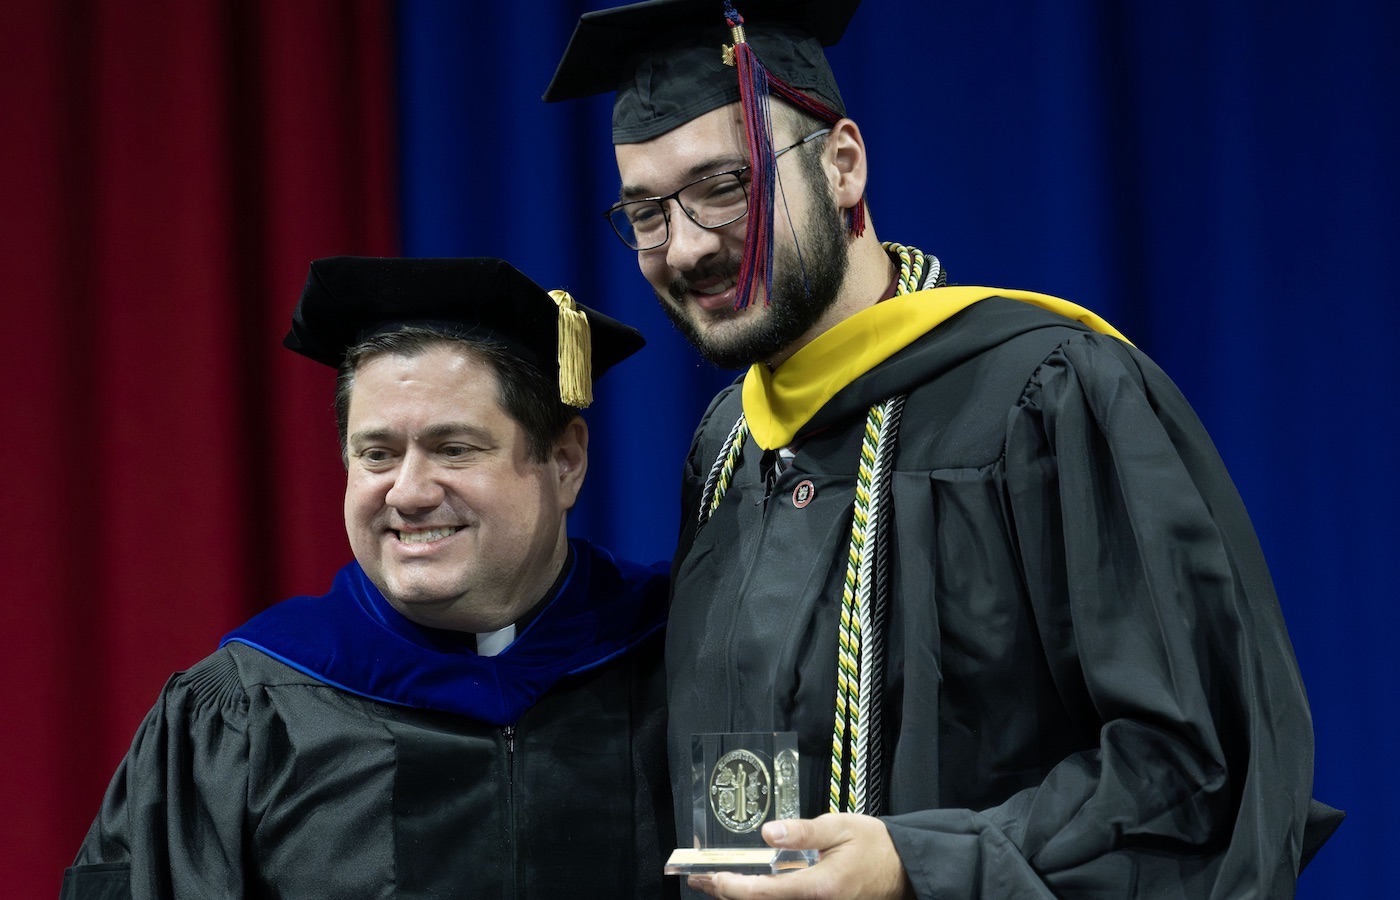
[[423, 537], [717, 289]]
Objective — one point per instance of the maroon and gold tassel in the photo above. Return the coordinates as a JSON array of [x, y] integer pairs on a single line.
[[755, 82], [758, 130]]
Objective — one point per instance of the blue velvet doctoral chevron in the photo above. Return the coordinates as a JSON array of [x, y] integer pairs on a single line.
[[352, 639]]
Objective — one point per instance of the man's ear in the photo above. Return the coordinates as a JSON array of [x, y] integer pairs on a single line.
[[845, 163], [570, 458]]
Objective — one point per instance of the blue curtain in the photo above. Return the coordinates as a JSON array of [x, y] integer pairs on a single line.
[[1218, 179]]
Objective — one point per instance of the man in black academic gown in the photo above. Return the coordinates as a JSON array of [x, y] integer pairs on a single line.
[[969, 544], [475, 709]]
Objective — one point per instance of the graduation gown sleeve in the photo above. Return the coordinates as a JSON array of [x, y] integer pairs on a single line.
[[1162, 633], [172, 822]]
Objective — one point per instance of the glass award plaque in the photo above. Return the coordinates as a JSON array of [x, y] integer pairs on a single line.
[[738, 782]]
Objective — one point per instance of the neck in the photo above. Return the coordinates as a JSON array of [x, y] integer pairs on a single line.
[[551, 577]]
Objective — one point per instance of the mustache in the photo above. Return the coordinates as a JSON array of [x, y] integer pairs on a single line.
[[679, 286]]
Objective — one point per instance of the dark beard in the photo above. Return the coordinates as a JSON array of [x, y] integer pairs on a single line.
[[794, 307]]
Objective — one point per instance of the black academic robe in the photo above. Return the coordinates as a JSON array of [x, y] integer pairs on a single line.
[[301, 776], [1089, 689]]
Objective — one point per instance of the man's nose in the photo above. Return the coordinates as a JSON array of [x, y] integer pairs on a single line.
[[415, 488], [689, 243]]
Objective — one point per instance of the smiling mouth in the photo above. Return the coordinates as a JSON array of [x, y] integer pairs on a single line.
[[709, 285], [716, 300], [423, 537], [719, 287]]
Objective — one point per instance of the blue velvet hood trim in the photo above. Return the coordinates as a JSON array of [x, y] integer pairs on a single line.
[[352, 639]]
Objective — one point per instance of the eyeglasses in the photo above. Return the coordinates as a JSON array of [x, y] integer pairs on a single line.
[[710, 202]]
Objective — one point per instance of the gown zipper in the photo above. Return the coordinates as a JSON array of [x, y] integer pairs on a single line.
[[512, 886]]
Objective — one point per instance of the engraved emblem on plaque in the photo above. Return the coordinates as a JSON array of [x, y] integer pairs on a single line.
[[785, 802], [740, 791]]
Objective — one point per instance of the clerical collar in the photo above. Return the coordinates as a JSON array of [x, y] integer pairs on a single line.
[[491, 643]]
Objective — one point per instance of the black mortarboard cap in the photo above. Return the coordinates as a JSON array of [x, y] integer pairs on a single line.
[[348, 299], [662, 57]]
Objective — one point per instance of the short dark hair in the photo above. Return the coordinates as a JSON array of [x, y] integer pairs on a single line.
[[527, 395], [803, 122]]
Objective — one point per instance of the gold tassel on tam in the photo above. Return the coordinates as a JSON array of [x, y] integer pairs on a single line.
[[575, 361]]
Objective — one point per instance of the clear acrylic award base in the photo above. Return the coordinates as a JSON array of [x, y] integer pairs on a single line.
[[738, 782], [743, 860]]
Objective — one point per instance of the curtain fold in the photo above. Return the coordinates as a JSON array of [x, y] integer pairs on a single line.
[[168, 172]]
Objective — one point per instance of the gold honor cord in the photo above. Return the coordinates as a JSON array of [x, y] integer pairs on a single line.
[[911, 267], [722, 472], [849, 738]]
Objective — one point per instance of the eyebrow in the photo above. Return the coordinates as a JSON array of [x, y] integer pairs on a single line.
[[432, 432], [699, 170]]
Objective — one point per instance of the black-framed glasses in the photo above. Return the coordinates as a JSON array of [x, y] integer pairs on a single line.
[[711, 202]]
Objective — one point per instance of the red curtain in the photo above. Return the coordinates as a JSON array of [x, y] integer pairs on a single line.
[[169, 169]]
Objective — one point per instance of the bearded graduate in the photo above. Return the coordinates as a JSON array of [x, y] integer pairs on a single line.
[[475, 708], [968, 543]]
